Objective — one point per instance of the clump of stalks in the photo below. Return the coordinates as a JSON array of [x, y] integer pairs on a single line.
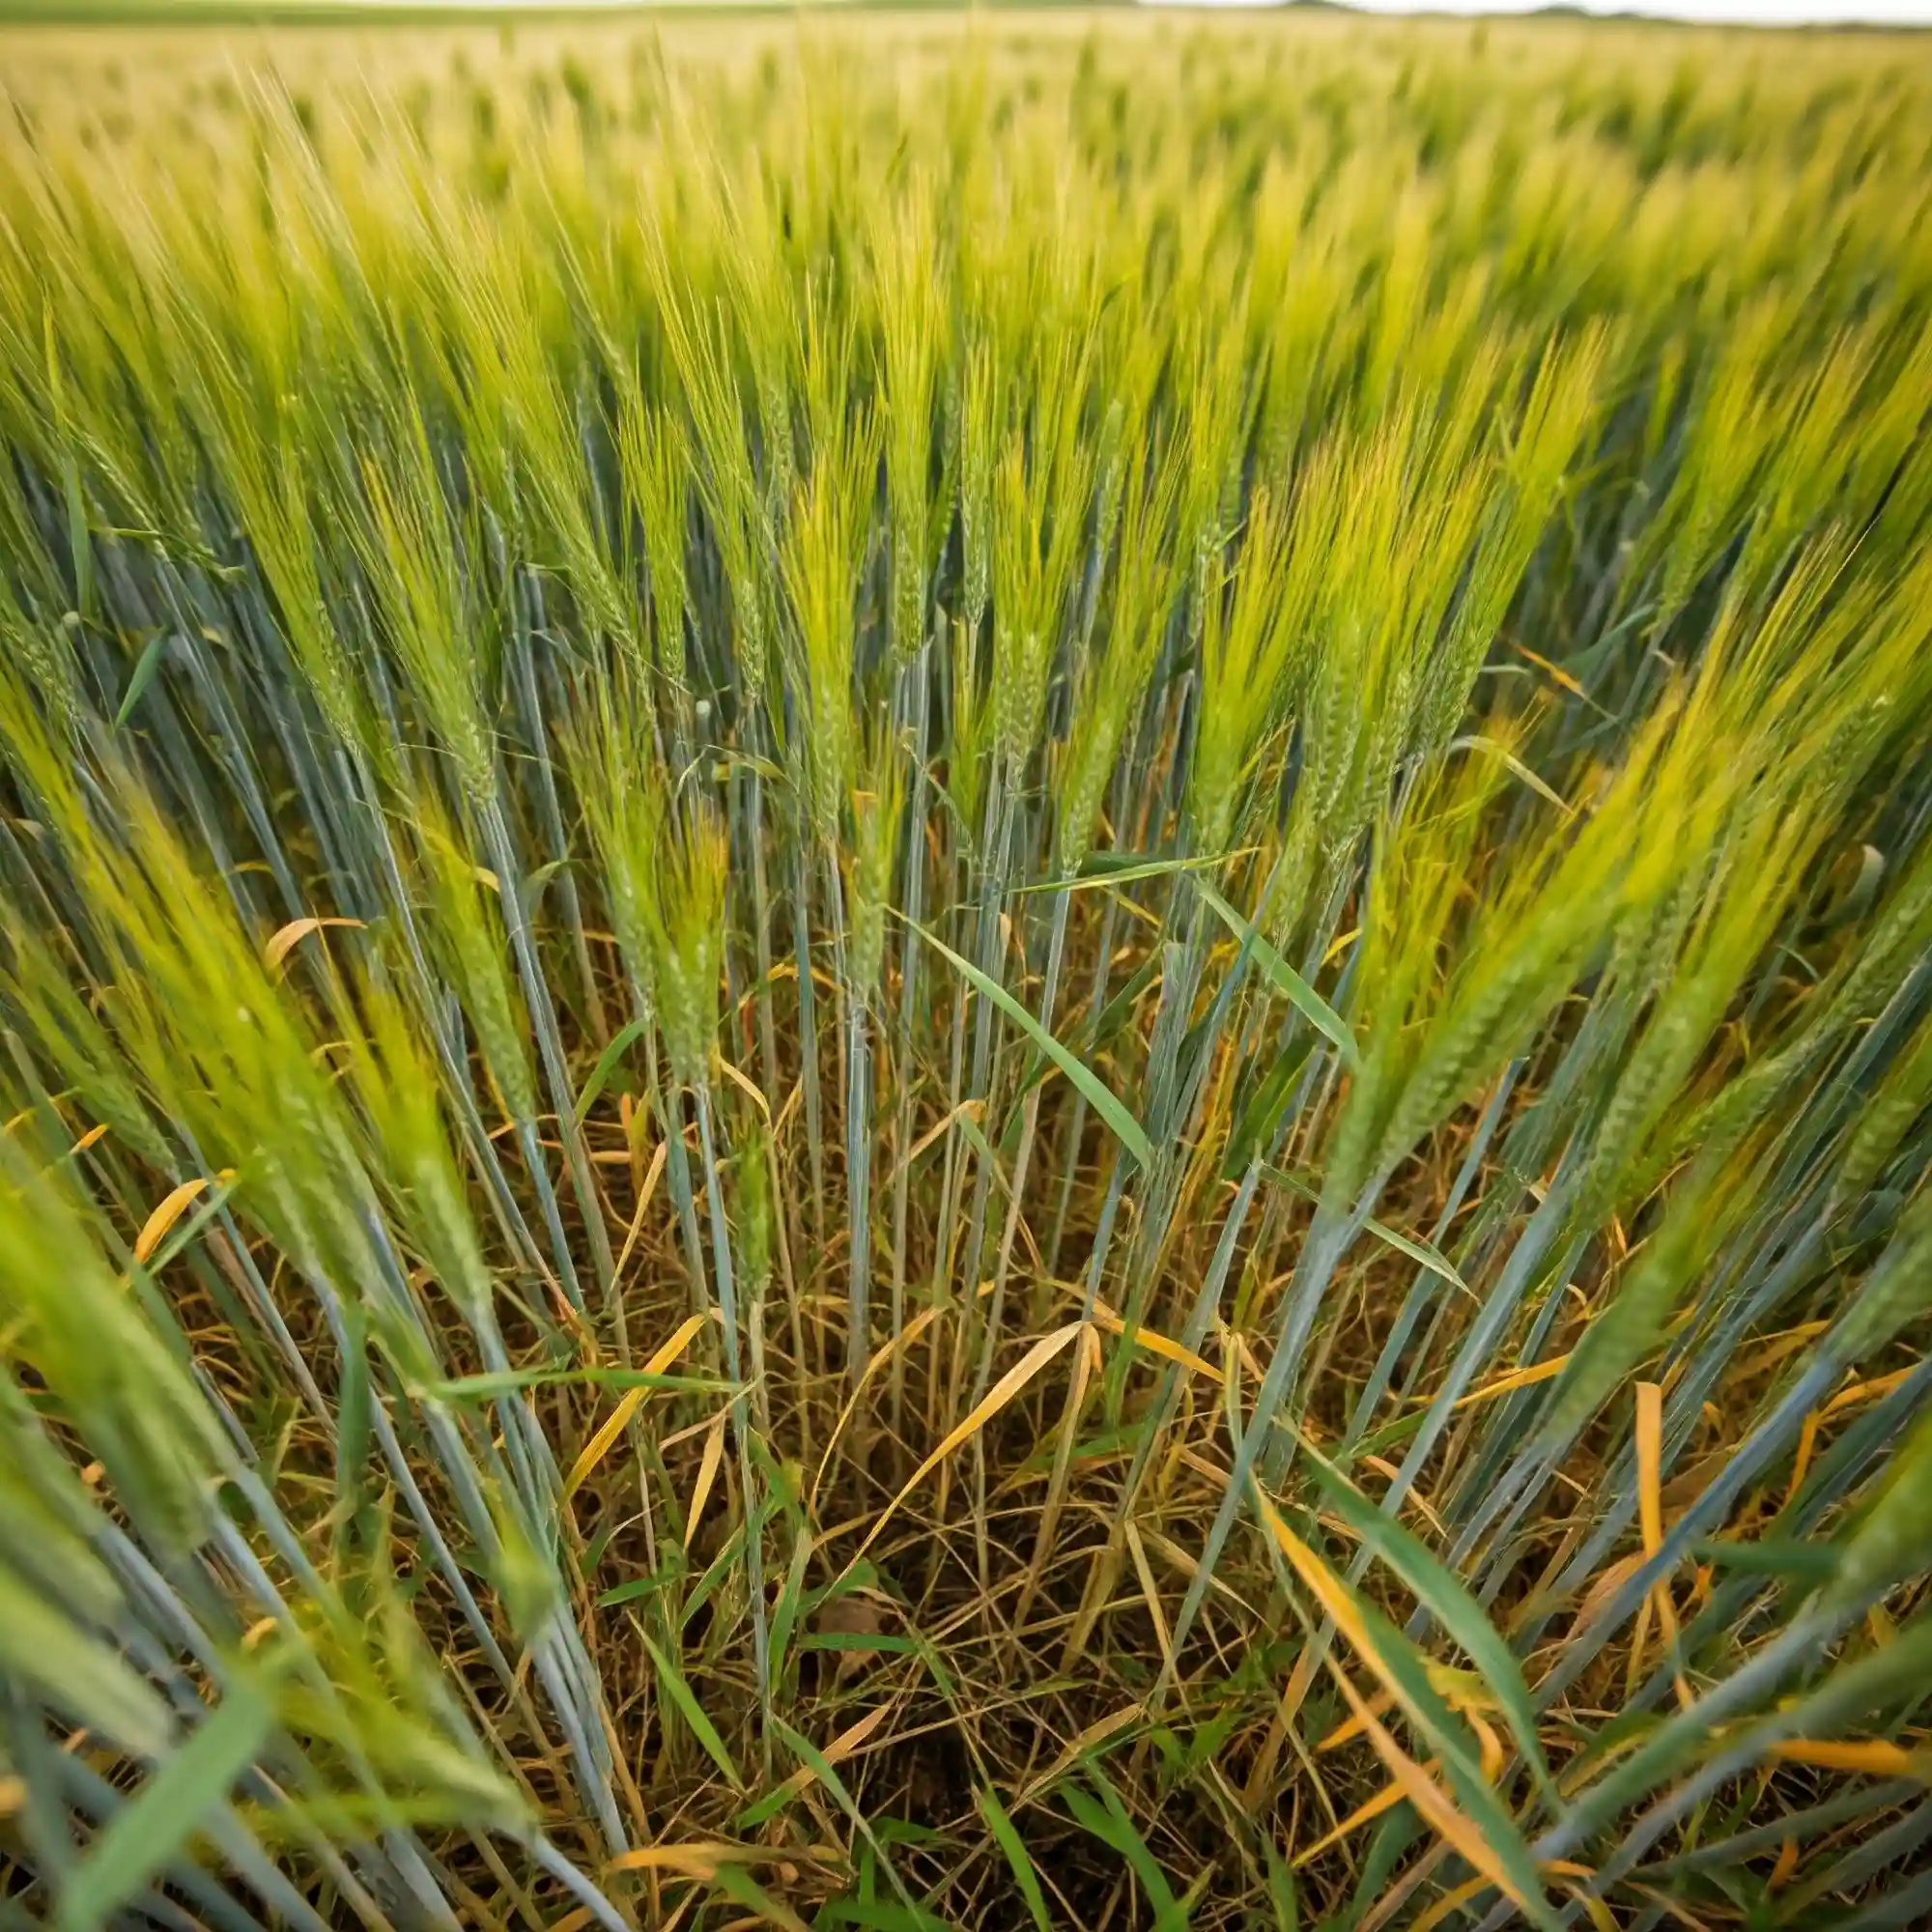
[[966, 976]]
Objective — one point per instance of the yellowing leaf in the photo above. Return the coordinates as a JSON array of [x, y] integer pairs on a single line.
[[1384, 1800], [700, 1858], [169, 1210], [1427, 1797], [835, 1753], [1154, 1343], [1517, 1379], [1449, 1902], [995, 1399], [628, 1405], [707, 1474], [1872, 1756], [283, 942], [1096, 1734], [1430, 1798]]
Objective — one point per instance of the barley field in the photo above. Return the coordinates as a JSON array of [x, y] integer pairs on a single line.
[[965, 971]]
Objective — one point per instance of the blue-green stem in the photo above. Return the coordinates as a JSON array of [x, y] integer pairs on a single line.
[[808, 1025], [727, 1310], [550, 1044], [914, 695]]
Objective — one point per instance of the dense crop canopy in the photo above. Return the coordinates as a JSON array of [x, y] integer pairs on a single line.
[[964, 975]]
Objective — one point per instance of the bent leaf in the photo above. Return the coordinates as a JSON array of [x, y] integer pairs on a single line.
[[1099, 1095]]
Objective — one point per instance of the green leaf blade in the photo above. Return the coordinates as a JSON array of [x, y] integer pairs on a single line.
[[145, 1837], [1012, 1848], [1104, 1101], [1286, 982]]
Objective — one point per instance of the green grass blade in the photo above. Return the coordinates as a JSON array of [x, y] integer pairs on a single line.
[[1107, 1819], [1107, 869], [76, 1672], [1284, 1899], [1013, 1847], [141, 676], [809, 1755], [1416, 1249], [743, 1890], [1283, 977], [693, 1713], [621, 1043], [169, 1809]]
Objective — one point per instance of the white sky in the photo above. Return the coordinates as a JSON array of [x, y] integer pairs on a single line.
[[1875, 13]]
